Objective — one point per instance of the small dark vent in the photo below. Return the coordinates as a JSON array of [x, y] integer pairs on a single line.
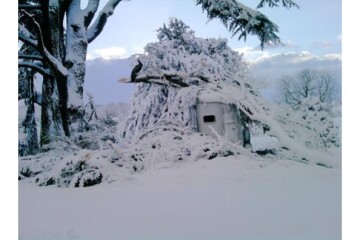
[[209, 118]]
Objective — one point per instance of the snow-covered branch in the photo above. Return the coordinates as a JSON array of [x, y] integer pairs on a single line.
[[275, 3], [96, 28], [27, 40], [36, 67], [26, 36], [53, 61], [90, 11], [242, 20], [173, 80]]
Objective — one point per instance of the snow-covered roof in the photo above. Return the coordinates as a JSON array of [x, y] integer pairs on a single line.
[[211, 96]]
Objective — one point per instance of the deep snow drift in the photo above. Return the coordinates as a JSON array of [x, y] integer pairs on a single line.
[[224, 198]]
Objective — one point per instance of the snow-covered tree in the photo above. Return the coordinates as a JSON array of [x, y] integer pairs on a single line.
[[180, 60], [60, 30], [311, 94], [177, 70]]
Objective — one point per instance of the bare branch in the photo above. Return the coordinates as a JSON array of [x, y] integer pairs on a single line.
[[96, 28], [36, 67]]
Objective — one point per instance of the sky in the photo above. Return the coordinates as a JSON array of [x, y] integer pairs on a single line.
[[315, 27], [311, 36]]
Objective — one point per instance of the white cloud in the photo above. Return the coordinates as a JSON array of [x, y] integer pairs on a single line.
[[108, 53], [277, 65], [333, 56], [252, 54], [323, 44], [256, 54], [301, 57], [298, 60]]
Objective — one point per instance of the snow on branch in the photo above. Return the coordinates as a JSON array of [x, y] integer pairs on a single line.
[[242, 20], [174, 80], [36, 67], [54, 62], [25, 36], [275, 3], [90, 11], [96, 28], [27, 40]]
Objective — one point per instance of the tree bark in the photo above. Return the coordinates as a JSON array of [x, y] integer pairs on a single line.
[[52, 126], [30, 145], [76, 50]]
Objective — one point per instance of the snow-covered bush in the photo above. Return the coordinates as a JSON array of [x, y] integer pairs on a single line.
[[312, 96], [83, 160], [320, 119], [67, 165], [98, 128]]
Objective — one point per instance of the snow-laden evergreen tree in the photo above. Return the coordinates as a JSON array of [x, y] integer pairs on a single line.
[[162, 126], [180, 60], [60, 31], [180, 67]]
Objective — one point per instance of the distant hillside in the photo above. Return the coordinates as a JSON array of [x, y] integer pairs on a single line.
[[101, 80]]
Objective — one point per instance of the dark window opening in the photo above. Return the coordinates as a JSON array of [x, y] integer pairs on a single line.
[[209, 118]]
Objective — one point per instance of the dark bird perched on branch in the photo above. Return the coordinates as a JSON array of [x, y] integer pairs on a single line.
[[136, 70]]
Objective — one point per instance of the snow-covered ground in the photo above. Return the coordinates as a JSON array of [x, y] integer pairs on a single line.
[[220, 199]]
